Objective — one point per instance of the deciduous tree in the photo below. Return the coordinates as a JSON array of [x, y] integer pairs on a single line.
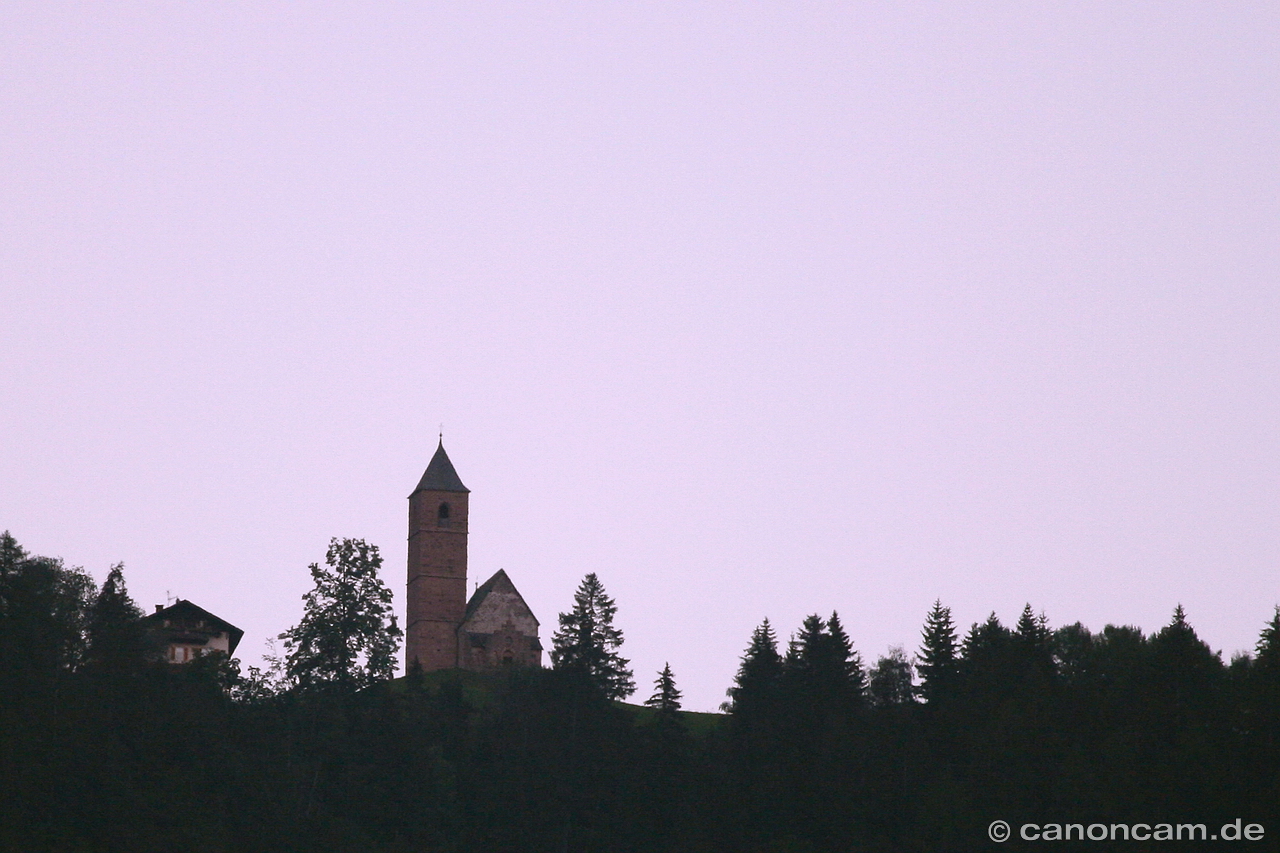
[[44, 611], [348, 635], [892, 677]]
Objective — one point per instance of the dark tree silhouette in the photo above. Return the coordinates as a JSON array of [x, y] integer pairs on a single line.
[[758, 673], [937, 666], [11, 556], [1187, 671], [1032, 630], [117, 640], [822, 666], [44, 611], [587, 642], [1122, 727], [348, 635], [892, 679], [1268, 648], [666, 697]]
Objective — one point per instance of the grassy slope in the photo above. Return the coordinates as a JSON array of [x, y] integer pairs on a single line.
[[480, 689]]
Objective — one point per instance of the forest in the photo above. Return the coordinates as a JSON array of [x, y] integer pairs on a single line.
[[104, 747]]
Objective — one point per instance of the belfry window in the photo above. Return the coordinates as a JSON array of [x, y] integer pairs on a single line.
[[442, 515]]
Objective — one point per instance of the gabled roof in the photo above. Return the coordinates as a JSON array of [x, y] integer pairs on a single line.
[[440, 476], [185, 611], [498, 583]]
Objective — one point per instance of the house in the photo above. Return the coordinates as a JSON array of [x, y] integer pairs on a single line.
[[185, 631]]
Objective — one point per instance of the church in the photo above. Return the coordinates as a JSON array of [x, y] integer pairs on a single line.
[[495, 628]]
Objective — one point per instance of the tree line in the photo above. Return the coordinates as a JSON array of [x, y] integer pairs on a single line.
[[104, 748]]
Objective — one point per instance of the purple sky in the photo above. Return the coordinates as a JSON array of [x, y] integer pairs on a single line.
[[754, 311]]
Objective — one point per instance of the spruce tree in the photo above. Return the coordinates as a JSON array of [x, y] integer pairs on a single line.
[[984, 669], [845, 660], [11, 557], [1031, 629], [1184, 664], [117, 640], [1265, 678], [1033, 646], [1268, 647], [937, 657], [759, 672], [666, 697], [804, 648], [587, 642], [822, 664]]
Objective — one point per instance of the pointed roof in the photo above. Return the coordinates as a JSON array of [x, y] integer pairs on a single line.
[[186, 611], [440, 476], [500, 583]]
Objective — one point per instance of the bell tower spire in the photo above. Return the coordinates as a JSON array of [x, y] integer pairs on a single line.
[[436, 598]]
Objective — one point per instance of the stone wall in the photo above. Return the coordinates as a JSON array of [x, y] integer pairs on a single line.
[[437, 584]]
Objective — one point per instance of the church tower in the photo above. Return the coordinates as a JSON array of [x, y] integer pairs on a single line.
[[437, 593]]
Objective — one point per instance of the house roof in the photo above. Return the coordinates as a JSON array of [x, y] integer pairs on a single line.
[[499, 582], [440, 475], [185, 611]]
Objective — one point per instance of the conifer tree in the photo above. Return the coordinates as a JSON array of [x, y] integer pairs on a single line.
[[1031, 629], [587, 641], [985, 639], [1186, 665], [1268, 647], [846, 661], [937, 657], [821, 663], [666, 697], [984, 669], [11, 556], [1265, 678], [117, 640], [804, 647], [758, 673], [1033, 647], [348, 635]]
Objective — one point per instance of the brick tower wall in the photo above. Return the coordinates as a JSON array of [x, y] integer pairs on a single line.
[[437, 591]]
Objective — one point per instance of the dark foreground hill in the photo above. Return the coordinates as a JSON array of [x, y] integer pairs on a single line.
[[104, 748], [161, 759]]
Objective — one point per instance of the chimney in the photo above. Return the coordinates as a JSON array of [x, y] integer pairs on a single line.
[[159, 607]]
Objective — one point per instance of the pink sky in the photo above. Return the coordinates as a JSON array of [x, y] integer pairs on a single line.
[[753, 310]]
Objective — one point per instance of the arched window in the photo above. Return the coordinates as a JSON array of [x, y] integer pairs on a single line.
[[442, 515], [507, 658]]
